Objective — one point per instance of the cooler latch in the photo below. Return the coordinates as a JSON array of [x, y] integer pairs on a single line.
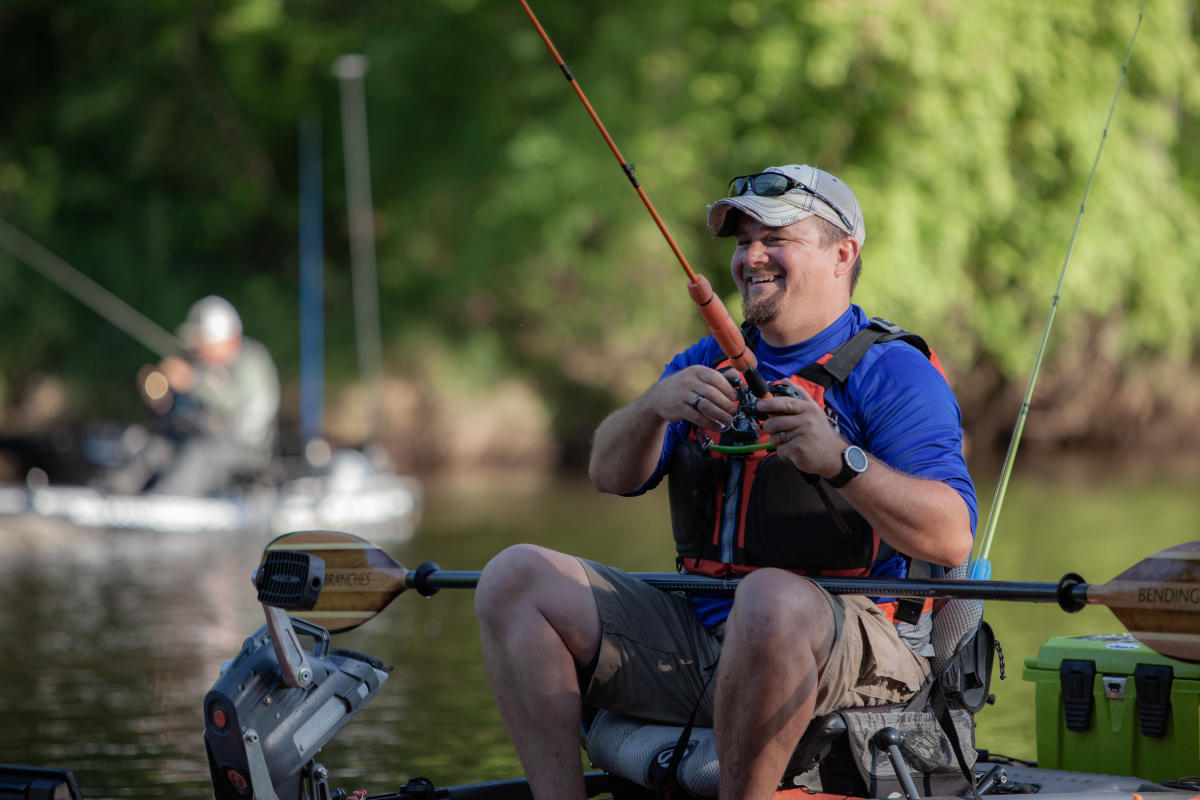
[[1076, 679], [1153, 682]]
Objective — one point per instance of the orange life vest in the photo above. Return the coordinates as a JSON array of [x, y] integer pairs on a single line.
[[734, 513]]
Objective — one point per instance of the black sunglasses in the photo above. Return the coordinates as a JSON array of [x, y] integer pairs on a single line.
[[773, 184]]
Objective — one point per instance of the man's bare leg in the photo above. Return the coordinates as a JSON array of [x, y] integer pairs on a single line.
[[537, 620], [779, 634]]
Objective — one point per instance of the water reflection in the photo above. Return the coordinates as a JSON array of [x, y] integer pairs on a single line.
[[113, 638], [110, 638]]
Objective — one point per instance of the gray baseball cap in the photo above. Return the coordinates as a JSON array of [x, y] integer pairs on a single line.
[[804, 192], [210, 320]]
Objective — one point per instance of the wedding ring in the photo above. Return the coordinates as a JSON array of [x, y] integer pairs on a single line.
[[696, 401], [783, 437]]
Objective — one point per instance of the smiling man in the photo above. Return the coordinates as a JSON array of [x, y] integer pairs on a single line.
[[864, 472]]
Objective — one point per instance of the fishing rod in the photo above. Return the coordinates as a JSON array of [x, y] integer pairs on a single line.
[[1157, 599], [981, 567], [726, 332], [87, 291]]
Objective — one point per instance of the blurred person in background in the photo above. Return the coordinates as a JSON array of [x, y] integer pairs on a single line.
[[217, 407]]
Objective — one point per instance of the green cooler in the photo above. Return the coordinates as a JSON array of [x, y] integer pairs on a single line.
[[1111, 705]]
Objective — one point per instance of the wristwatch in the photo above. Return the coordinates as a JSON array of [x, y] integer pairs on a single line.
[[854, 463]]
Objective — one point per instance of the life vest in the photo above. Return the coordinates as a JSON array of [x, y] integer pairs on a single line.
[[734, 513]]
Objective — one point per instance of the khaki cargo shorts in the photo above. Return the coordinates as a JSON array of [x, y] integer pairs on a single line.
[[656, 659]]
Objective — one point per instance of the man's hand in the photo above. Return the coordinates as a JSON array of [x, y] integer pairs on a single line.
[[698, 394], [802, 434], [179, 373], [627, 444], [925, 519]]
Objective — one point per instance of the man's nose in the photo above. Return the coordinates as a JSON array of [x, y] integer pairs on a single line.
[[756, 253]]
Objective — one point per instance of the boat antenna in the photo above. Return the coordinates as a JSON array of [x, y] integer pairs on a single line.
[[981, 568], [87, 291], [726, 332], [350, 69], [312, 289]]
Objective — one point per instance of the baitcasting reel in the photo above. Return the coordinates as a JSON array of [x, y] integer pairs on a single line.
[[744, 430], [276, 705]]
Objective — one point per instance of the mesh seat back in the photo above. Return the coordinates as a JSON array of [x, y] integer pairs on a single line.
[[956, 619]]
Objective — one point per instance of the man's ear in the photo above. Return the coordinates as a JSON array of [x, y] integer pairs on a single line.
[[847, 253]]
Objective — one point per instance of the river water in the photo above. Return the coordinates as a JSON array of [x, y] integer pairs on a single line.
[[111, 639]]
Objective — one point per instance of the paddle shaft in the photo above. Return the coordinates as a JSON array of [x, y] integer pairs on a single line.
[[1071, 593], [1157, 599]]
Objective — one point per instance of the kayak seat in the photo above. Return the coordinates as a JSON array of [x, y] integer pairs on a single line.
[[836, 755]]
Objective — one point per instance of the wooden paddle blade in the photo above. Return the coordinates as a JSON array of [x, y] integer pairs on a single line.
[[360, 579], [1158, 601]]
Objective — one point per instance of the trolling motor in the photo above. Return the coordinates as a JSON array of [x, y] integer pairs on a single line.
[[276, 704]]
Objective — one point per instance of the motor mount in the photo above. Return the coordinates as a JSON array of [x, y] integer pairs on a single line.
[[262, 726]]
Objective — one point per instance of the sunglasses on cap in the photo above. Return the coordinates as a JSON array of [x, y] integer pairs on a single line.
[[773, 184]]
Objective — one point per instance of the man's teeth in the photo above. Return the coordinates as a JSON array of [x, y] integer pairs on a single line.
[[762, 279]]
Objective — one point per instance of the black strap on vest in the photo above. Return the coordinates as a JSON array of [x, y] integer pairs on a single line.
[[845, 358], [847, 355]]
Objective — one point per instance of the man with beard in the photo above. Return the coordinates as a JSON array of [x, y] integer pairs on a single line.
[[866, 472]]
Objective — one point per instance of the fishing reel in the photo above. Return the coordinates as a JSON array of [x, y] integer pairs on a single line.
[[744, 430], [276, 704]]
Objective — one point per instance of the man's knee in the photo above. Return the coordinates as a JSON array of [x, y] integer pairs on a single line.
[[773, 605], [526, 585], [516, 573], [778, 593], [505, 574]]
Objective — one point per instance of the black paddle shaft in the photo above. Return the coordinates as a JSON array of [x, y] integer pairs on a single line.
[[1070, 593]]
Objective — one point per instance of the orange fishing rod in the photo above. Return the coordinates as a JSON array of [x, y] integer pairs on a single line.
[[716, 316]]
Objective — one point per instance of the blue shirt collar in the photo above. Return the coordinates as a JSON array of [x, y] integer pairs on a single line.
[[780, 361]]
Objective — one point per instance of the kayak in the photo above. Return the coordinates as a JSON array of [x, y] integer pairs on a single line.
[[351, 495], [35, 783]]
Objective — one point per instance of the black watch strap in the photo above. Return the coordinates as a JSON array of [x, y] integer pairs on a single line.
[[854, 463]]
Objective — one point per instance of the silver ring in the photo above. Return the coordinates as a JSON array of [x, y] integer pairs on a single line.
[[783, 437], [696, 401]]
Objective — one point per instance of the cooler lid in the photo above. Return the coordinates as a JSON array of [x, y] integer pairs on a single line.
[[1113, 653]]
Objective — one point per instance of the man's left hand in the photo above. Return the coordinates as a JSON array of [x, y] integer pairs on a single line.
[[179, 373], [802, 434]]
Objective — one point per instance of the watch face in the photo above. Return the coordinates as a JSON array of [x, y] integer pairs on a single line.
[[856, 459]]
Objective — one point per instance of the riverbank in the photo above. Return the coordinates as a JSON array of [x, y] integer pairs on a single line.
[[1072, 428], [1077, 421]]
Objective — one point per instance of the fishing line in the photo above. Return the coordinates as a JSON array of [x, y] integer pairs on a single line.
[[712, 309], [88, 292], [981, 568]]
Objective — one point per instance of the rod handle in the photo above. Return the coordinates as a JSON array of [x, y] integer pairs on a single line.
[[724, 329]]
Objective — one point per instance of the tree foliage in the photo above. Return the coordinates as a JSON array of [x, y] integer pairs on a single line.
[[154, 146]]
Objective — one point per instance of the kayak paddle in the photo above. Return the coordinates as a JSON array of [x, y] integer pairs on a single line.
[[1157, 599]]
